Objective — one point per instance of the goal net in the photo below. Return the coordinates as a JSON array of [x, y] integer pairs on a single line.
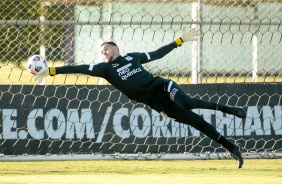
[[236, 61]]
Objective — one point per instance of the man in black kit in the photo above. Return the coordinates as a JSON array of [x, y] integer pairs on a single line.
[[127, 74]]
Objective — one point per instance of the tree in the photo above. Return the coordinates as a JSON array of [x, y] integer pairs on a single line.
[[19, 41]]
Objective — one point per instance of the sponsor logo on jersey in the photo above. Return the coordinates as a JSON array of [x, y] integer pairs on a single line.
[[130, 73], [125, 72], [124, 67]]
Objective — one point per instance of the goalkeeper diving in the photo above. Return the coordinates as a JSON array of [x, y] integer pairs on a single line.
[[165, 96]]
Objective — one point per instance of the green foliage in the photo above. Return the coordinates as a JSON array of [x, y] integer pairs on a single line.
[[56, 37], [20, 41]]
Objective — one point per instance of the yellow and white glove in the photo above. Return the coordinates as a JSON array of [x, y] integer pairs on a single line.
[[39, 77], [48, 71], [190, 35]]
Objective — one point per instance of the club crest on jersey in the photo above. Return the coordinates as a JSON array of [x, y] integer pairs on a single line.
[[128, 58]]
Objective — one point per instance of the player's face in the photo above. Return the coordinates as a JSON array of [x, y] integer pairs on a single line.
[[109, 52]]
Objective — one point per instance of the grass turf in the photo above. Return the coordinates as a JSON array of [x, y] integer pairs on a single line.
[[140, 172]]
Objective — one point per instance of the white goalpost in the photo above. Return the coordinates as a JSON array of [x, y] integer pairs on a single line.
[[236, 61]]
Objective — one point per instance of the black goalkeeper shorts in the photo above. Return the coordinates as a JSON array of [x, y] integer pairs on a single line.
[[169, 99]]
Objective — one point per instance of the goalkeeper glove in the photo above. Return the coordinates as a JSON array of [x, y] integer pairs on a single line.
[[48, 71], [39, 77], [190, 35]]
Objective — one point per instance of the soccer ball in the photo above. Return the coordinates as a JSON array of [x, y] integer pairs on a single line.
[[36, 64]]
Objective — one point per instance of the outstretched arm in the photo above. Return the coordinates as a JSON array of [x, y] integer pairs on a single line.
[[93, 70], [82, 69], [190, 35], [159, 53]]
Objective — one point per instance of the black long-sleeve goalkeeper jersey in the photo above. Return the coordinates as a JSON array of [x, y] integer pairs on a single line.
[[126, 73]]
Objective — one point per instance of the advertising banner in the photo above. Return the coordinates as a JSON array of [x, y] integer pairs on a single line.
[[37, 119]]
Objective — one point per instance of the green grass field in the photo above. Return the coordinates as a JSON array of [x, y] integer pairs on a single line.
[[264, 171]]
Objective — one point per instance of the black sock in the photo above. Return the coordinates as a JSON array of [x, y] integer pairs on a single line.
[[212, 133], [226, 144]]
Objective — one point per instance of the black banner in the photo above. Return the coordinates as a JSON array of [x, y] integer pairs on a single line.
[[99, 119]]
